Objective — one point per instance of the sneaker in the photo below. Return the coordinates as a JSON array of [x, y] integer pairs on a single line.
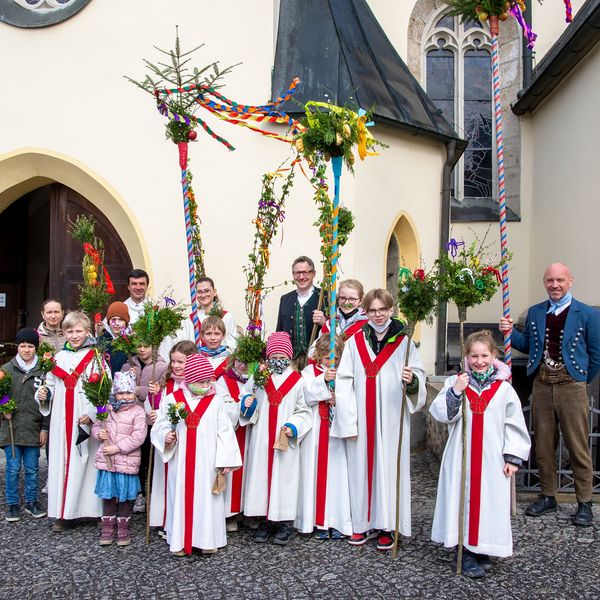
[[470, 567], [484, 562], [584, 516], [337, 535], [162, 534], [179, 553], [542, 505], [262, 533], [12, 513], [35, 510], [385, 541], [59, 526], [358, 539], [321, 534], [284, 534], [209, 551], [231, 525], [139, 506]]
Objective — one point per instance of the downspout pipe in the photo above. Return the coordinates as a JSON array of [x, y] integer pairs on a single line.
[[453, 153], [527, 53]]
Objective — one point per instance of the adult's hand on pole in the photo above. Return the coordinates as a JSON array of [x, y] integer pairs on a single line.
[[509, 470], [329, 375], [319, 317], [505, 325]]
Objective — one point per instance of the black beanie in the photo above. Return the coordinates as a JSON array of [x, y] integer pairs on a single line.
[[28, 335]]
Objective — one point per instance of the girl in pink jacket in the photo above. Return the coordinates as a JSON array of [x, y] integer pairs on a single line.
[[117, 482]]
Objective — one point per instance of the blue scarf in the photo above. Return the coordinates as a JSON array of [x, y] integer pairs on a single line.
[[212, 353], [557, 306], [117, 404]]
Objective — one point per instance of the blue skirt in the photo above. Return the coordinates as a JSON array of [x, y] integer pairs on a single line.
[[121, 486]]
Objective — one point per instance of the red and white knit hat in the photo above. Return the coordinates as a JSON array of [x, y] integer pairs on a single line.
[[280, 341], [198, 368]]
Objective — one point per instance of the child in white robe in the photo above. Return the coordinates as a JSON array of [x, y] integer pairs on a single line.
[[497, 444], [324, 500], [172, 380], [212, 333], [200, 448], [279, 419], [71, 471]]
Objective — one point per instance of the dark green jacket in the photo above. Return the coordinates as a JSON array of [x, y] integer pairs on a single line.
[[27, 420]]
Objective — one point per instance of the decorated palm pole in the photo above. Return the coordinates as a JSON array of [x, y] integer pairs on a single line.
[[179, 92], [333, 133], [417, 300], [157, 322], [465, 280]]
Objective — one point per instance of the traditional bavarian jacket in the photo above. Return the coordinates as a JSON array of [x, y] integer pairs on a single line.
[[580, 342]]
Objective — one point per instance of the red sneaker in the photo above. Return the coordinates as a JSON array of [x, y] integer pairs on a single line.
[[358, 539], [385, 541]]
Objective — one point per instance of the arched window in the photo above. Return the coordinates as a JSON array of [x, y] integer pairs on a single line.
[[458, 79]]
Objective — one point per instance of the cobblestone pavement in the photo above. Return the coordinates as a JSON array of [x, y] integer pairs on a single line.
[[552, 560]]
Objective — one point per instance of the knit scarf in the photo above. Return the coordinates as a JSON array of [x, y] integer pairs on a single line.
[[481, 380], [206, 351]]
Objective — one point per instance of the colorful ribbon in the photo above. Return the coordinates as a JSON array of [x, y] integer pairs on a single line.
[[452, 247], [516, 12], [461, 274]]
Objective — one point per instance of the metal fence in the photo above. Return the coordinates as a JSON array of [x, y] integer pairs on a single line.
[[528, 478]]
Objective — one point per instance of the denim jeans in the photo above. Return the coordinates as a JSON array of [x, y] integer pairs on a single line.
[[29, 457]]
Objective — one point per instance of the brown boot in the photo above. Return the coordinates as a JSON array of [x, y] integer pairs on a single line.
[[108, 530], [123, 537]]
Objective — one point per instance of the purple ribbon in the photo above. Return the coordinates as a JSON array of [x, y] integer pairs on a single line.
[[527, 32], [100, 410], [169, 301], [452, 247], [253, 327], [5, 400]]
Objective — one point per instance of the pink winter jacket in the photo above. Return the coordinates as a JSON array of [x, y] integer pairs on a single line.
[[127, 429]]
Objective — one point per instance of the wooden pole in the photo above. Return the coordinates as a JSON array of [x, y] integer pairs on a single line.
[[151, 457], [462, 317], [410, 328]]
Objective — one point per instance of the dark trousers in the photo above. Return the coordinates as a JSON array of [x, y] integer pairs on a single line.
[[565, 403], [145, 449]]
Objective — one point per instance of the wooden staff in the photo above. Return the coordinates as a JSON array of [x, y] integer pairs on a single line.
[[462, 317], [150, 471], [410, 329]]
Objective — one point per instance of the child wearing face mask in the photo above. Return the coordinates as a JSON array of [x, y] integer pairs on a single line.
[[117, 318], [276, 414], [171, 381], [497, 444], [197, 449], [324, 500], [121, 436], [230, 386], [212, 332]]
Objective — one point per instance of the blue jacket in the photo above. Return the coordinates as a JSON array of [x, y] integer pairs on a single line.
[[580, 345]]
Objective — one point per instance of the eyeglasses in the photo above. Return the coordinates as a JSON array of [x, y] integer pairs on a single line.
[[204, 292], [301, 273], [343, 299], [377, 311]]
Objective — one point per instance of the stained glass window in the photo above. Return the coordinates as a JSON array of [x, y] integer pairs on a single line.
[[458, 80]]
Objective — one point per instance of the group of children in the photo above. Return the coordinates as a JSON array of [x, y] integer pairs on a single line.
[[313, 451]]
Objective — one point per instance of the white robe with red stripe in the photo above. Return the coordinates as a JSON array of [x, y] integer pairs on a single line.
[[229, 389], [350, 422], [504, 432], [195, 515], [281, 503], [324, 499], [80, 479], [158, 493]]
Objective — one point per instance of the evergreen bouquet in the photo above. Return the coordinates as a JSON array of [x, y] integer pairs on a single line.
[[251, 350], [7, 404], [482, 10], [97, 286], [175, 412], [46, 362], [97, 387], [417, 296], [127, 344], [467, 277]]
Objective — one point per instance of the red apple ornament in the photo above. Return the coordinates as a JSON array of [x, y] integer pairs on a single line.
[[192, 135], [94, 378]]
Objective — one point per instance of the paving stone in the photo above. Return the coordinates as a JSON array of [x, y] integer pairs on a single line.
[[552, 559]]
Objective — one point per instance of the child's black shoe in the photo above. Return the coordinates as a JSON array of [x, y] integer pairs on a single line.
[[283, 535], [470, 567], [484, 562], [35, 510], [12, 513], [262, 533]]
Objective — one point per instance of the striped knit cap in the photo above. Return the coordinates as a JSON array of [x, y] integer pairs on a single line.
[[280, 341], [198, 368]]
